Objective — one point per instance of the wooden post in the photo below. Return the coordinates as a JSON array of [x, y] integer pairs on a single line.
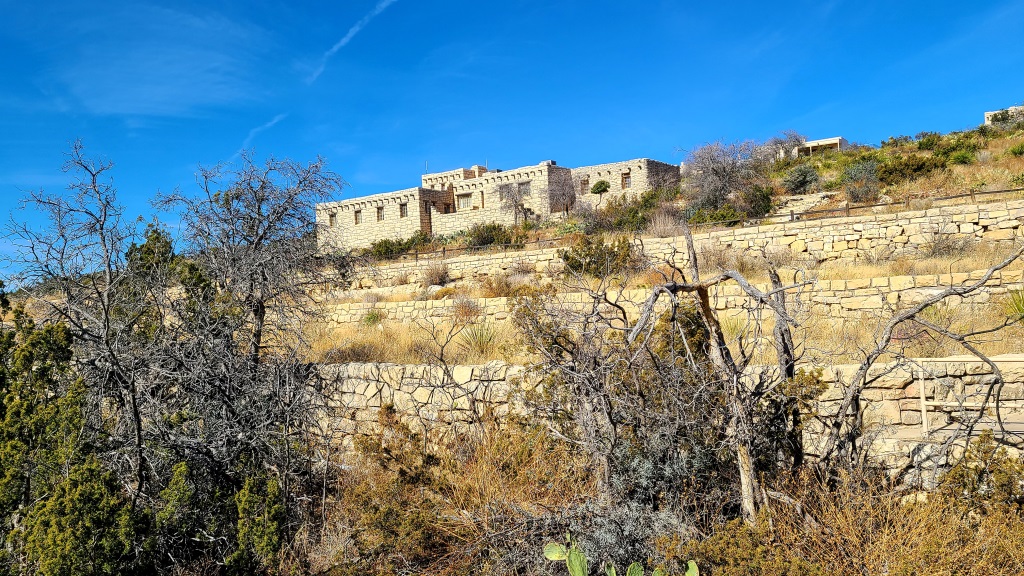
[[847, 209], [924, 405], [792, 217]]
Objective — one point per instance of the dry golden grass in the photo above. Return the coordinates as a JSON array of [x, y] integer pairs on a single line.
[[856, 526], [380, 340], [840, 340]]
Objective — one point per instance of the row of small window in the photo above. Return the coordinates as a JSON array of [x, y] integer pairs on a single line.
[[627, 182], [403, 211]]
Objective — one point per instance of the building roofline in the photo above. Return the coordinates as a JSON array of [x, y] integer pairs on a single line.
[[373, 197]]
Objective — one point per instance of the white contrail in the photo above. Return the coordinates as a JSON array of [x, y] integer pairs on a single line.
[[257, 130], [380, 7]]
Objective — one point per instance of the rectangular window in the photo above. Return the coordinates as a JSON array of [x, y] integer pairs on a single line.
[[524, 189], [585, 185], [465, 201], [380, 213], [359, 216], [626, 181], [403, 210], [332, 220]]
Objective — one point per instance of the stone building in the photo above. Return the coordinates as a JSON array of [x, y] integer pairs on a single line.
[[449, 202]]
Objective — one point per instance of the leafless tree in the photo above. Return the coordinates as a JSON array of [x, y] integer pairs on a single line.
[[596, 354], [513, 198], [191, 357], [562, 191]]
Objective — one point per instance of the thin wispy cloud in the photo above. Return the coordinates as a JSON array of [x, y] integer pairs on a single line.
[[157, 62], [261, 128], [380, 7]]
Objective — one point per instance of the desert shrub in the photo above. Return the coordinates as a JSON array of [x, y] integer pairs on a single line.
[[522, 267], [861, 182], [664, 224], [725, 215], [1016, 150], [410, 503], [493, 233], [942, 244], [1017, 180], [506, 285], [987, 476], [388, 248], [714, 257], [860, 524], [374, 317], [465, 309], [928, 140], [591, 256], [633, 213], [756, 201], [897, 141], [961, 157], [801, 179], [436, 274], [962, 143], [902, 168], [446, 292]]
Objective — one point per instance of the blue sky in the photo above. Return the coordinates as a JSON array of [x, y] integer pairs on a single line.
[[379, 88]]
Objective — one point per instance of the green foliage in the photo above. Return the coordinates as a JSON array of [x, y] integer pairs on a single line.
[[1017, 180], [388, 248], [494, 234], [961, 144], [861, 181], [591, 256], [894, 142], [757, 201], [260, 517], [577, 565], [961, 157], [631, 213], [987, 476], [928, 140], [1016, 150], [902, 168], [85, 527], [801, 179], [725, 215], [600, 187], [373, 317]]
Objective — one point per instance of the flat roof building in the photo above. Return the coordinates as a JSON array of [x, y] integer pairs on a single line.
[[452, 201]]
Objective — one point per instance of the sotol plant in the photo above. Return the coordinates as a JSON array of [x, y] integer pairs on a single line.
[[577, 564]]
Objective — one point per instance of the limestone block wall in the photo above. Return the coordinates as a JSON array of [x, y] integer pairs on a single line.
[[912, 407], [484, 193], [338, 227], [433, 396], [905, 233], [644, 174], [909, 407], [902, 234], [850, 299]]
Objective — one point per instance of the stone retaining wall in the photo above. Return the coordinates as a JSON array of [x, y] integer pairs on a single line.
[[835, 298], [857, 237], [909, 407]]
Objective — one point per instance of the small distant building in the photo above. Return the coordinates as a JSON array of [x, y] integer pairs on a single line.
[[812, 147], [1005, 115], [452, 201]]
